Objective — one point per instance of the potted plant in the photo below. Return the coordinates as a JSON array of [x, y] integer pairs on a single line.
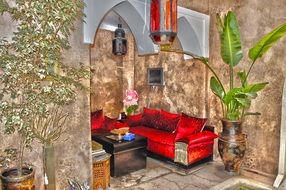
[[33, 76], [235, 100]]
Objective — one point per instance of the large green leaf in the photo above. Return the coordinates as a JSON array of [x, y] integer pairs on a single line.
[[244, 102], [216, 88], [254, 87], [266, 42], [231, 51]]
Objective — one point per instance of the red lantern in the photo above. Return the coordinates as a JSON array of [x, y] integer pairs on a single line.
[[163, 21]]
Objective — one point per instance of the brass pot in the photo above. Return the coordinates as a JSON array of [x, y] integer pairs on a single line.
[[11, 180], [232, 145]]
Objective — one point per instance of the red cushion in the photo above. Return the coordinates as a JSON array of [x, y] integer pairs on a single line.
[[197, 138], [109, 123], [118, 125], [168, 121], [97, 119], [161, 149], [150, 117], [155, 135], [134, 120], [189, 125]]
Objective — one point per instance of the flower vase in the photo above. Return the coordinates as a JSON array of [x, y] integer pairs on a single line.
[[232, 145]]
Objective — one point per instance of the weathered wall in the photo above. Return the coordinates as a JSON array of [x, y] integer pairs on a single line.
[[111, 75], [264, 131], [73, 155], [183, 89], [107, 76]]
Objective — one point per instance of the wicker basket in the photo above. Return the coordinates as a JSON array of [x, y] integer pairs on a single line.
[[101, 173]]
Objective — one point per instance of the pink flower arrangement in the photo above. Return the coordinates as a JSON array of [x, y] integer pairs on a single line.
[[130, 101]]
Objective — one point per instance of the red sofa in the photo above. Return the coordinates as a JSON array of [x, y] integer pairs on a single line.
[[165, 131]]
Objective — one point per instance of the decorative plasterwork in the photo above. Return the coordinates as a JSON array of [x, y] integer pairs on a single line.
[[193, 27]]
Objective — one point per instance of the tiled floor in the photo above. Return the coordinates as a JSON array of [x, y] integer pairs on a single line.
[[161, 176]]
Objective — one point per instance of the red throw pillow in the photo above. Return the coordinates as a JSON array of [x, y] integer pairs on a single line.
[[150, 117], [189, 125], [109, 123], [97, 120], [134, 120], [168, 121], [118, 125]]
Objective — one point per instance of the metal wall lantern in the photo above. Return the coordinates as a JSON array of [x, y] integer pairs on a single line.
[[119, 43], [163, 21]]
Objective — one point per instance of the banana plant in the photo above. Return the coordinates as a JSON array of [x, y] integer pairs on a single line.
[[236, 100]]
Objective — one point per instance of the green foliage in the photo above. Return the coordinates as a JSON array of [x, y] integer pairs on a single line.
[[238, 99], [266, 42], [131, 109], [231, 51], [34, 78]]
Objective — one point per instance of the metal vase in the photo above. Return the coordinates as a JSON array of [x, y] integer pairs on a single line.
[[10, 180], [49, 167], [232, 145]]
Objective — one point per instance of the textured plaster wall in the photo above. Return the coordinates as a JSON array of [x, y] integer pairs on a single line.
[[183, 89], [111, 75], [107, 76], [73, 153]]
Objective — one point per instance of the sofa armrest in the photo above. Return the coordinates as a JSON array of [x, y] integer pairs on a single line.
[[204, 136]]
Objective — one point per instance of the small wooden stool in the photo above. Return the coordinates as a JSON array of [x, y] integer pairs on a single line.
[[101, 172]]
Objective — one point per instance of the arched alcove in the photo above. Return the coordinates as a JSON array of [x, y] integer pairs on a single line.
[[128, 10], [193, 27]]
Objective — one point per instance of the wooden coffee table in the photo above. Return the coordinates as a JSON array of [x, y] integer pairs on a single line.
[[127, 156]]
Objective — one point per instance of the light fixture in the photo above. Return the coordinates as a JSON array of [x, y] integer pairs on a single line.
[[119, 43], [163, 21]]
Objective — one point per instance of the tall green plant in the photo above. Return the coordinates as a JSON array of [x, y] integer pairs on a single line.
[[34, 77], [236, 100]]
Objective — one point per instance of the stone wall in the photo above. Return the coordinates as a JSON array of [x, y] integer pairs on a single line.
[[107, 76], [73, 152]]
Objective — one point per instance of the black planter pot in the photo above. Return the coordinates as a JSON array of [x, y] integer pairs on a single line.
[[11, 181], [232, 145]]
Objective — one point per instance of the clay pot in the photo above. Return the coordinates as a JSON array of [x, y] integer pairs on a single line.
[[11, 180], [232, 145]]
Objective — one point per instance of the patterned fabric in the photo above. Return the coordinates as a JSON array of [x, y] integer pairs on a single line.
[[97, 119], [189, 125], [150, 118], [134, 120], [168, 121]]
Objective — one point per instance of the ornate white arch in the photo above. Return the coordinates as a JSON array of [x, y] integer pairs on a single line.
[[193, 27]]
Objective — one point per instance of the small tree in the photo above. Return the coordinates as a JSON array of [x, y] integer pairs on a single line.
[[34, 78]]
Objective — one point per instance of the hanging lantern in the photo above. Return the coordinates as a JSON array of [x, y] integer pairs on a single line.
[[119, 43], [163, 21]]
